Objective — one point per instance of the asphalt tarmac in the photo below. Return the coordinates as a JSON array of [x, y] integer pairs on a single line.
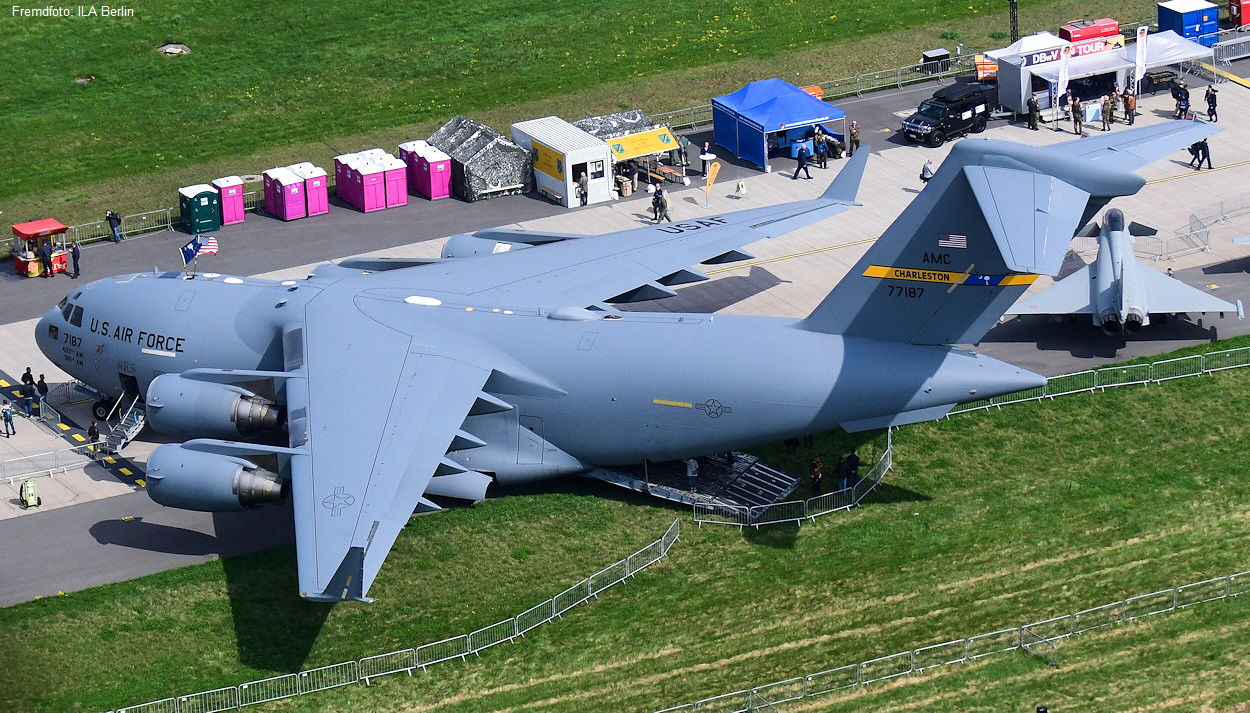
[[109, 539]]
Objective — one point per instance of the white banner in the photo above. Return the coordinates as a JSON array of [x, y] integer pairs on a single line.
[[1139, 70]]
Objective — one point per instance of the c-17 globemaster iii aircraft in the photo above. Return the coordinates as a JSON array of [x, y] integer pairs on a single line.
[[387, 382]]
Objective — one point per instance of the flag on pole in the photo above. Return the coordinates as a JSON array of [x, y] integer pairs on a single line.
[[199, 245], [1139, 63], [711, 178]]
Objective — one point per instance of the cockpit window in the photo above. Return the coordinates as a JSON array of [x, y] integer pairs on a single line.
[[76, 318], [66, 308], [64, 301]]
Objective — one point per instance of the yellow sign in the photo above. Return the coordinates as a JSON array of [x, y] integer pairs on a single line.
[[647, 142], [949, 278], [549, 161], [711, 178]]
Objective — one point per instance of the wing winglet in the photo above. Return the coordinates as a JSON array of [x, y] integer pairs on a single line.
[[846, 186]]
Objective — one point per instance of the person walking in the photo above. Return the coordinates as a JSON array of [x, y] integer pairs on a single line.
[[29, 394], [27, 377], [817, 469], [822, 151], [74, 253], [1130, 107], [115, 223], [661, 205], [1035, 113], [7, 411], [802, 157], [1078, 115], [926, 171], [42, 387], [1105, 109], [1211, 102], [853, 145]]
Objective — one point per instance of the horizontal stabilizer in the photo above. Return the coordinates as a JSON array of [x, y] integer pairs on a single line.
[[1137, 230], [1071, 295], [1030, 240]]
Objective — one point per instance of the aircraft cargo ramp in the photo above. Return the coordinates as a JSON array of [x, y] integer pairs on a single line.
[[747, 481]]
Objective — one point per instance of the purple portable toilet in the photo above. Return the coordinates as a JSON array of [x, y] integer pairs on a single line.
[[410, 154], [271, 200], [289, 194], [396, 173], [438, 173], [353, 191], [316, 187], [233, 209], [371, 185]]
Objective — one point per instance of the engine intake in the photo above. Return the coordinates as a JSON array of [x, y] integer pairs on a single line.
[[193, 480], [181, 406]]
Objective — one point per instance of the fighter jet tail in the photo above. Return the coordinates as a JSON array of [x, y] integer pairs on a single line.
[[994, 217]]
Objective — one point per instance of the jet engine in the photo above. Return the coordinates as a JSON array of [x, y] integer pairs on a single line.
[[194, 480], [1110, 322], [182, 406], [1133, 320]]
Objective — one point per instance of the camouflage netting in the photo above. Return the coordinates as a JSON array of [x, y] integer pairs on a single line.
[[610, 126], [484, 164]]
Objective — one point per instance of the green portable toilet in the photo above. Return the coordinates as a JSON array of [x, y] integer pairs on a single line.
[[200, 206]]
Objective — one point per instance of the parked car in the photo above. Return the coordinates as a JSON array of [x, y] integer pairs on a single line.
[[952, 111]]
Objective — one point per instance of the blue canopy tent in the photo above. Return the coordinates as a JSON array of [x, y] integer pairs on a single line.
[[741, 121]]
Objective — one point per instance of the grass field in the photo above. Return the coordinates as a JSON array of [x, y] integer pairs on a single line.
[[268, 84], [990, 520]]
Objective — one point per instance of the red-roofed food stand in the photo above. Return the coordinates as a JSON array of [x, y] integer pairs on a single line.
[[29, 237]]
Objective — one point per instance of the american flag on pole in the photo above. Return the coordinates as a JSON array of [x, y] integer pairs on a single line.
[[199, 245]]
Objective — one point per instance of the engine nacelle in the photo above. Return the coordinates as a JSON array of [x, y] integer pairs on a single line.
[[181, 406], [193, 480], [1134, 320], [1110, 323], [467, 245]]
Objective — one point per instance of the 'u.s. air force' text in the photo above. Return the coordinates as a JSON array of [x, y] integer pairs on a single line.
[[140, 337]]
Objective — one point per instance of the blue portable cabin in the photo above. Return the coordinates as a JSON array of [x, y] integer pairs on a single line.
[[1197, 20], [742, 120]]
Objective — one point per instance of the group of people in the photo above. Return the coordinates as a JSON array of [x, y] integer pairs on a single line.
[[1180, 93], [826, 145], [1109, 104], [29, 392], [846, 471]]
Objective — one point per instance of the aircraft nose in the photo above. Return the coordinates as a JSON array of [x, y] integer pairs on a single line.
[[44, 337]]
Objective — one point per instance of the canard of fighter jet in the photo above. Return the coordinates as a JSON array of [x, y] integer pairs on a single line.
[[375, 385], [1117, 290]]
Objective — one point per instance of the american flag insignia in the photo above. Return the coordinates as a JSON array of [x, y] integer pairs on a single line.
[[953, 241]]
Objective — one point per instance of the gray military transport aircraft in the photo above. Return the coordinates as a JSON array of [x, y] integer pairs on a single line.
[[374, 384], [1117, 291]]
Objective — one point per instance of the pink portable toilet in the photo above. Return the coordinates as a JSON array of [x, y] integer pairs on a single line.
[[316, 187], [343, 182], [396, 173], [289, 194], [233, 208], [353, 191], [410, 154], [438, 173], [371, 185], [271, 199]]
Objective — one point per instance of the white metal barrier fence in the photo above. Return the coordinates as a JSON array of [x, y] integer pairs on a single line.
[[799, 510], [1110, 376], [460, 647], [49, 463], [1037, 638]]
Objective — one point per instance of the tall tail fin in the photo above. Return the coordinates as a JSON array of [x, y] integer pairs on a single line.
[[994, 215]]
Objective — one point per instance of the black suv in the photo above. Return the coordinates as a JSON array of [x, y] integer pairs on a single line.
[[952, 111]]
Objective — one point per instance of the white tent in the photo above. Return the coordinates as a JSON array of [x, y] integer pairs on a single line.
[[1039, 42], [1164, 48]]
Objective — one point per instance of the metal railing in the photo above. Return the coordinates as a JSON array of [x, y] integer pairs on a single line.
[[50, 463], [146, 222], [404, 661], [1037, 638], [741, 516], [1109, 376]]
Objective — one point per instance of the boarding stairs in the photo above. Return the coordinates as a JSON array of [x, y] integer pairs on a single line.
[[745, 481], [128, 428]]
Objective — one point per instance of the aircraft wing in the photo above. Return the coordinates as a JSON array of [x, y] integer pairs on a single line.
[[372, 418], [1169, 295], [582, 272], [1144, 145], [1071, 295]]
